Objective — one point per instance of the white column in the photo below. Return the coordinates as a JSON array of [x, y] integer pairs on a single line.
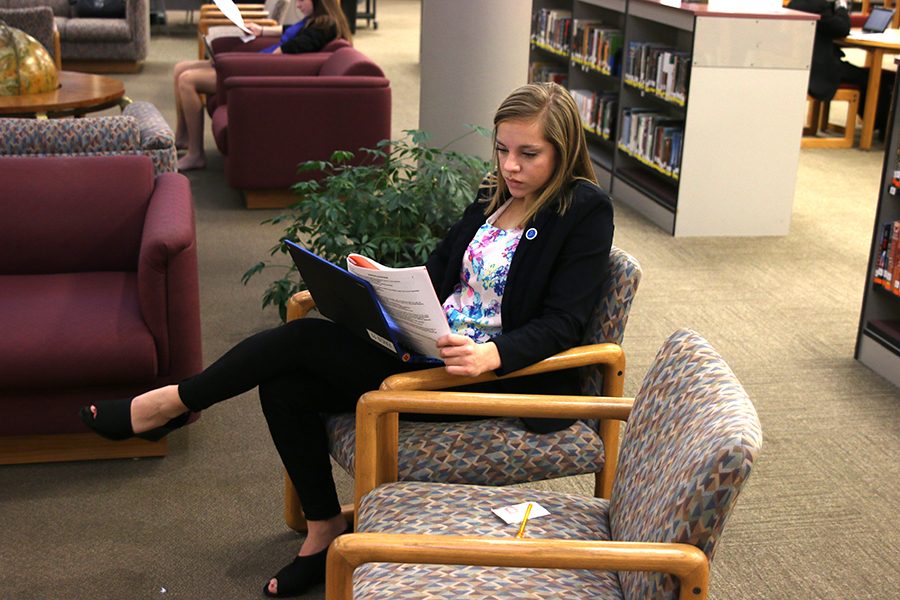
[[473, 54]]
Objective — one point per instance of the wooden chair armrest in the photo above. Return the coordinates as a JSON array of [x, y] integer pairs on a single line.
[[610, 355], [57, 49], [347, 552], [299, 305], [377, 421], [212, 9], [205, 23]]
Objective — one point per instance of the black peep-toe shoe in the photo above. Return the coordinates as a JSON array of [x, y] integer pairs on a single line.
[[113, 421], [303, 573]]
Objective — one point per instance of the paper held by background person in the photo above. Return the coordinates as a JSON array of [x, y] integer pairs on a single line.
[[230, 10]]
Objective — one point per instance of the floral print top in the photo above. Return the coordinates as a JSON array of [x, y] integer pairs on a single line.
[[473, 309]]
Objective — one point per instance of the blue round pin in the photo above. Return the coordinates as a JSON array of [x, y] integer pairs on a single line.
[[531, 234]]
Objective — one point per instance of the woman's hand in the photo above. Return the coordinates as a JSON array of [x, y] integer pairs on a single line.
[[462, 356], [255, 29]]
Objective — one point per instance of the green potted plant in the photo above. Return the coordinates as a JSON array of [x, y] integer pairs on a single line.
[[395, 205]]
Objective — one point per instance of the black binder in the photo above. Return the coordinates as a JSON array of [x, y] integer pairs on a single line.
[[351, 301]]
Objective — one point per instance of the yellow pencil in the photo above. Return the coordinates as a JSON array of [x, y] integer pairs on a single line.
[[521, 533]]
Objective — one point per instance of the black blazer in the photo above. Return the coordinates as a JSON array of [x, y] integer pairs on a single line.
[[825, 69], [553, 284]]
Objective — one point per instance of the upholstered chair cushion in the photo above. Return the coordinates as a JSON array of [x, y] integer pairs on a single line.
[[36, 21], [63, 240], [69, 136], [438, 509], [485, 452], [97, 31], [669, 486]]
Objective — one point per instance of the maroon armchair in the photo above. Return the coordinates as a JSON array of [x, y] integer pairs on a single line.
[[272, 112], [99, 297]]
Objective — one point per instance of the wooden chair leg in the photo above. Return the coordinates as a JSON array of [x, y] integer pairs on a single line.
[[293, 509], [850, 125], [824, 115], [610, 434], [813, 108]]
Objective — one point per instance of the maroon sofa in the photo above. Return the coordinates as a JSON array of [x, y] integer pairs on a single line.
[[272, 112], [99, 297]]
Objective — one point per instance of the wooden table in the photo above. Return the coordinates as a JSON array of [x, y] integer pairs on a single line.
[[77, 94], [876, 46]]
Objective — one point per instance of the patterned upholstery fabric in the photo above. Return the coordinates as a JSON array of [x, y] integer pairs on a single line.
[[140, 130], [501, 451], [125, 39], [465, 510], [36, 21], [157, 138], [687, 449], [608, 322], [485, 452]]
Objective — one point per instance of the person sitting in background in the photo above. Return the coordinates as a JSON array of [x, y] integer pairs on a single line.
[[828, 69], [519, 275], [322, 22]]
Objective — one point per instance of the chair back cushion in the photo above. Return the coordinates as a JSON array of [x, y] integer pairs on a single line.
[[610, 316], [686, 451], [72, 214], [60, 8], [36, 21], [350, 62], [101, 135]]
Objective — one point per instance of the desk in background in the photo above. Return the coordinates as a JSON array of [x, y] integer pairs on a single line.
[[876, 45]]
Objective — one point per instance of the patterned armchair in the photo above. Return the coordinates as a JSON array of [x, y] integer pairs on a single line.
[[141, 129], [100, 45], [690, 440], [500, 451], [36, 21]]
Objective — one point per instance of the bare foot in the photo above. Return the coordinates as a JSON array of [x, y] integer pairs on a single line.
[[190, 162]]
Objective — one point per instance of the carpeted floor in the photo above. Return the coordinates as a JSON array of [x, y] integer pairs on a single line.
[[817, 519]]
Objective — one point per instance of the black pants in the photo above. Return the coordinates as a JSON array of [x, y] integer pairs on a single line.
[[303, 369]]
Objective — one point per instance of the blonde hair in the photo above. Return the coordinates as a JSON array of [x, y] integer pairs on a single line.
[[327, 13], [561, 124]]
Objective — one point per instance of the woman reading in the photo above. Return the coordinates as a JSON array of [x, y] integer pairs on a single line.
[[519, 275]]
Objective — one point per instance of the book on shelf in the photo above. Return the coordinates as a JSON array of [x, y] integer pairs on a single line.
[[884, 246], [553, 28], [598, 110], [653, 137], [891, 277], [597, 46], [658, 69]]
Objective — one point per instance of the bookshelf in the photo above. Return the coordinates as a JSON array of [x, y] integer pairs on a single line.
[[878, 340], [696, 120]]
